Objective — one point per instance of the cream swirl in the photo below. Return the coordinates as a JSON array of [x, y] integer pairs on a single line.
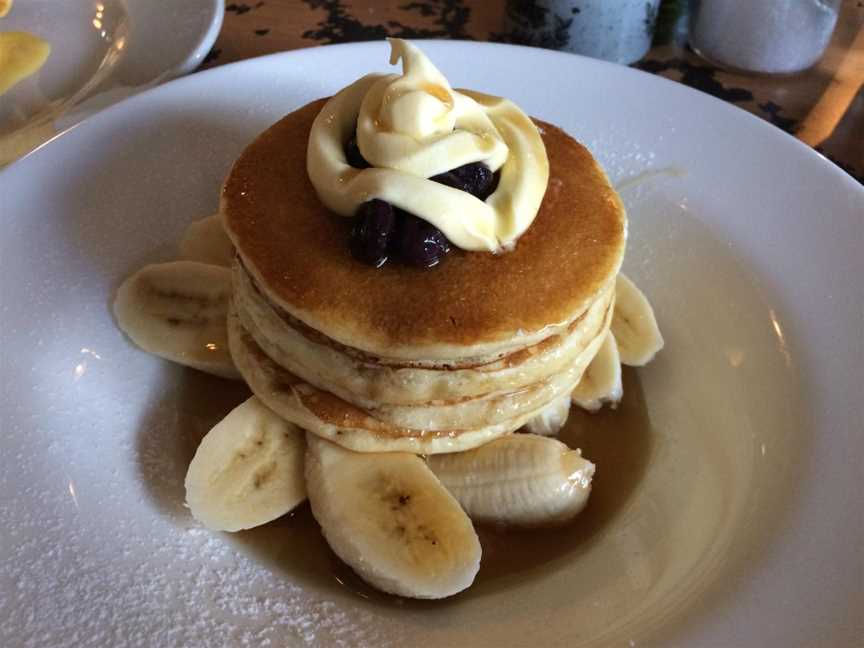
[[415, 126]]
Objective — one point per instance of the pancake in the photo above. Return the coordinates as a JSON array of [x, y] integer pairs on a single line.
[[494, 406], [366, 383], [328, 416], [473, 305]]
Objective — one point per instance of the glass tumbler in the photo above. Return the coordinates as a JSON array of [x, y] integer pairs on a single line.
[[764, 36]]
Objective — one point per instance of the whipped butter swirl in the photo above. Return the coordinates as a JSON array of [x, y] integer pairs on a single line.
[[413, 126]]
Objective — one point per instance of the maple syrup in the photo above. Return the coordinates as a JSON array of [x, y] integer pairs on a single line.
[[618, 442]]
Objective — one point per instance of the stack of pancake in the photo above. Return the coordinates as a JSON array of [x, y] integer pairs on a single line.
[[403, 358]]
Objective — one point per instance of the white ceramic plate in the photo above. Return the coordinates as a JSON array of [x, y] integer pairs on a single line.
[[102, 51], [727, 505]]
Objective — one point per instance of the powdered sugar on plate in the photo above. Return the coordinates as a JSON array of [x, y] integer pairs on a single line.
[[99, 550]]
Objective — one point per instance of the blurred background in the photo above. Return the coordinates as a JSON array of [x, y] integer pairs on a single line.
[[798, 64]]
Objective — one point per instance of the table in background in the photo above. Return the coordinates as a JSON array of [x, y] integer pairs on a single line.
[[823, 106]]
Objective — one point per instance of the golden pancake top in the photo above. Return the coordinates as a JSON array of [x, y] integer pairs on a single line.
[[298, 253]]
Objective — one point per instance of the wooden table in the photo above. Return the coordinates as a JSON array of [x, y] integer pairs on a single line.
[[824, 106]]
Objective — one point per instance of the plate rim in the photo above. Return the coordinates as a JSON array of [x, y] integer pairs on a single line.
[[204, 43], [675, 86]]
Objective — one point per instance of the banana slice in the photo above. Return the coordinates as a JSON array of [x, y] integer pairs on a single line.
[[247, 471], [178, 311], [519, 479], [601, 382], [390, 519], [205, 241], [551, 419], [633, 324], [21, 54]]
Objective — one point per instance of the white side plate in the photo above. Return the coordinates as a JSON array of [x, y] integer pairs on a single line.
[[101, 52]]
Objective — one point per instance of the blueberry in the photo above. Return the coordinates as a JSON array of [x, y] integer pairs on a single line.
[[477, 179], [496, 177], [451, 180], [418, 242], [352, 153], [372, 232]]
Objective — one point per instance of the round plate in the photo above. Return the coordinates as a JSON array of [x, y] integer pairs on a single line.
[[101, 51], [726, 508]]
